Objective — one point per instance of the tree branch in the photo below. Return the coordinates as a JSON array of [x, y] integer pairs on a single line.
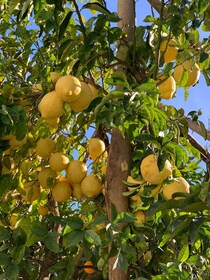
[[205, 155], [196, 128], [157, 5]]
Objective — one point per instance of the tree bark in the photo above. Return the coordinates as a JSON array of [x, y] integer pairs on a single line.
[[120, 148], [117, 171]]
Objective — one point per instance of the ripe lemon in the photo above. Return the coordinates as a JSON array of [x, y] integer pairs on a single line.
[[166, 85], [94, 91], [140, 217], [12, 219], [76, 171], [14, 143], [133, 181], [95, 148], [169, 48], [58, 162], [36, 88], [156, 190], [77, 191], [91, 186], [147, 257], [43, 210], [46, 177], [193, 73], [178, 185], [150, 171], [136, 198], [103, 169], [84, 99], [62, 191], [68, 88], [51, 106], [8, 169], [53, 122], [88, 267], [55, 76], [45, 147], [32, 191]]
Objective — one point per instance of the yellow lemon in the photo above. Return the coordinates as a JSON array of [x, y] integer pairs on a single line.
[[52, 122], [32, 191], [55, 76], [95, 148], [169, 48], [45, 147], [84, 99], [178, 185], [91, 186], [46, 177], [36, 88], [94, 91], [76, 171], [12, 219], [147, 256], [150, 171], [43, 210], [193, 73], [51, 106], [62, 191], [58, 162], [140, 217], [7, 169], [166, 85], [14, 143], [77, 191], [68, 88]]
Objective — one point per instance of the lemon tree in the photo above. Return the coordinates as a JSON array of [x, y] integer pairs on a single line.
[[100, 177]]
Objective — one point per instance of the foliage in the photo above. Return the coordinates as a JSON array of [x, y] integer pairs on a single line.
[[39, 37]]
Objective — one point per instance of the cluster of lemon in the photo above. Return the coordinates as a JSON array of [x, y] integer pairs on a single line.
[[76, 182], [58, 175], [187, 71], [152, 175], [67, 89]]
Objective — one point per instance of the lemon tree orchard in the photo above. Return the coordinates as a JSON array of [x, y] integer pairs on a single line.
[[100, 179]]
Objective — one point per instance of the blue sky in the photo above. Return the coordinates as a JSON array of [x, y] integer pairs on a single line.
[[199, 95]]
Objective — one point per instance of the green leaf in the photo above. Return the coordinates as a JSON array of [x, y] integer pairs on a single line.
[[12, 272], [59, 5], [4, 234], [121, 262], [203, 130], [124, 217], [92, 237], [183, 253], [73, 238], [202, 6], [147, 138], [64, 24], [14, 5], [37, 5], [175, 227], [18, 254], [194, 227], [51, 242], [195, 207], [161, 206], [5, 259], [203, 56], [74, 223], [113, 17]]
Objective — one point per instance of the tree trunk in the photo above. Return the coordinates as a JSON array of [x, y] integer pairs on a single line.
[[120, 148], [117, 171]]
